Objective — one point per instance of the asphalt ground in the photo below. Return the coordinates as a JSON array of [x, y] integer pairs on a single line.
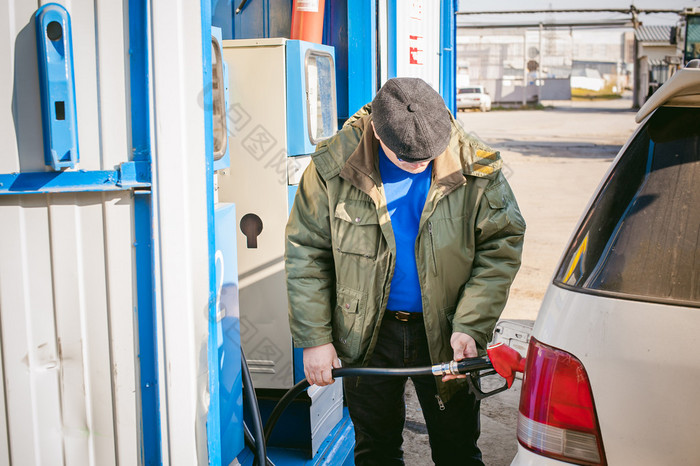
[[554, 160]]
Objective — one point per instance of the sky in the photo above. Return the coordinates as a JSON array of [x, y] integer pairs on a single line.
[[505, 5]]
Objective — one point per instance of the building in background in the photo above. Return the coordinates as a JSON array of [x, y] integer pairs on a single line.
[[659, 56], [530, 64], [526, 65]]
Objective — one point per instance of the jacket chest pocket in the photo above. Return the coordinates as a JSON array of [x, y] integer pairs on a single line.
[[356, 228]]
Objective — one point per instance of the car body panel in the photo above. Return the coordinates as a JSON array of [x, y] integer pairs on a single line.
[[525, 457], [641, 383]]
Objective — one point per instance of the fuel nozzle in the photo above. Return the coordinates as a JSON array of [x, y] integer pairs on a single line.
[[502, 360], [465, 366]]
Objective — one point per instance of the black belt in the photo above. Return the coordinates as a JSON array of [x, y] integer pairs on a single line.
[[404, 316]]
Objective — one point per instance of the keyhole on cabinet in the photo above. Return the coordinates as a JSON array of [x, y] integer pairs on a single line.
[[251, 226]]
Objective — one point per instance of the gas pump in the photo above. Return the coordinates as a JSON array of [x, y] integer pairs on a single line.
[[282, 105]]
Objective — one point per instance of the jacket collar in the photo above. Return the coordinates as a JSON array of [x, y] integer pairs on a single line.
[[362, 167]]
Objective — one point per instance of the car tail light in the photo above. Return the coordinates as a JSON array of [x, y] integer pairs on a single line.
[[557, 413]]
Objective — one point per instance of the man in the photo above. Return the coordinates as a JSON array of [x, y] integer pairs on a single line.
[[402, 244]]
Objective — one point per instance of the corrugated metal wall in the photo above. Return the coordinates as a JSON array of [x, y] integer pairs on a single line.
[[67, 321], [67, 292]]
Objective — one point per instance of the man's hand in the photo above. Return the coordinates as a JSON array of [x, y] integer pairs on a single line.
[[318, 362], [463, 346]]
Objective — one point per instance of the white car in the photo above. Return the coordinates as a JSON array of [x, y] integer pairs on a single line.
[[473, 97], [613, 365]]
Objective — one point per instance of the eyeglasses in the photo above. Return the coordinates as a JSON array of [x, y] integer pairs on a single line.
[[407, 161]]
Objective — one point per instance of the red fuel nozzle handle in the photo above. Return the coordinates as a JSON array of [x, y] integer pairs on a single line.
[[506, 361]]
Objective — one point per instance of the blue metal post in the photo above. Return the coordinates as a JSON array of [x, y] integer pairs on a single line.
[[391, 39], [448, 57], [335, 34], [362, 53], [147, 329], [145, 281], [139, 77], [213, 416]]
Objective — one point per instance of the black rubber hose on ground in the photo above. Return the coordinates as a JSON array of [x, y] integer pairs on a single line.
[[257, 438], [462, 367]]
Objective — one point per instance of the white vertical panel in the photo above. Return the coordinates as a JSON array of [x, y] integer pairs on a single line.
[[181, 227], [4, 439], [80, 296], [418, 40], [20, 107], [112, 71], [67, 290], [82, 14], [81, 325], [30, 357], [68, 330], [123, 325]]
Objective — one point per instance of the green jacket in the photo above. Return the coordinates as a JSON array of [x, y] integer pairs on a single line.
[[340, 250]]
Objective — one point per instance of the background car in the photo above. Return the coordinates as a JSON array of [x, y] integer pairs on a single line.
[[473, 97], [613, 365]]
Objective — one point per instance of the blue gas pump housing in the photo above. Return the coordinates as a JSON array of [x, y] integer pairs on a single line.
[[57, 86], [228, 335], [225, 378]]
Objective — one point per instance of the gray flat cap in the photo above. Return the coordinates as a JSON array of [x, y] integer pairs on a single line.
[[411, 119]]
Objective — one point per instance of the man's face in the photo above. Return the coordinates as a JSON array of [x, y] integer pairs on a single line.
[[409, 167]]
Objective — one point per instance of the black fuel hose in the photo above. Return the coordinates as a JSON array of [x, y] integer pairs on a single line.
[[454, 367], [257, 438], [252, 445]]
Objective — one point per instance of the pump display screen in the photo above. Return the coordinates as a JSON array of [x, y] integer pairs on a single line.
[[218, 100], [320, 95]]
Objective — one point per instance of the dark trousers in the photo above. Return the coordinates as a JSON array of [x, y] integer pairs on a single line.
[[378, 411]]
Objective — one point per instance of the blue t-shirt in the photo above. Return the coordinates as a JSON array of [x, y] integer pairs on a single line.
[[405, 194]]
